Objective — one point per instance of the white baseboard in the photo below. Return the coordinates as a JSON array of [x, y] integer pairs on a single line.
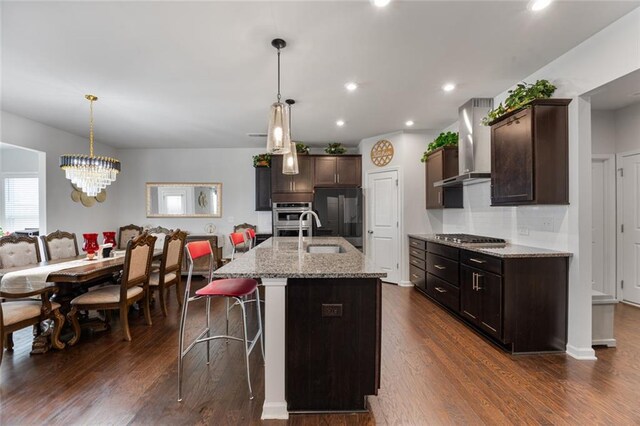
[[585, 354], [405, 284], [610, 343], [274, 410]]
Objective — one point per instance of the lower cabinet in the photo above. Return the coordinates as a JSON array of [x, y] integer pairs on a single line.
[[481, 299]]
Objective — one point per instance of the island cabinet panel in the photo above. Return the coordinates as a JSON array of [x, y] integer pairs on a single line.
[[292, 187], [530, 155], [333, 337]]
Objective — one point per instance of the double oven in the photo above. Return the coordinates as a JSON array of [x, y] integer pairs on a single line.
[[286, 219]]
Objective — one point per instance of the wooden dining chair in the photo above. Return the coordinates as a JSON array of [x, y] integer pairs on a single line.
[[160, 233], [20, 310], [59, 245], [133, 287], [170, 272], [19, 251], [126, 234]]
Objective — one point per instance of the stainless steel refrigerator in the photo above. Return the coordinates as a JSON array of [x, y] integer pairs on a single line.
[[340, 211]]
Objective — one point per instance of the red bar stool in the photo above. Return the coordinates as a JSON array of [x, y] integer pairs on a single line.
[[236, 289], [238, 240], [251, 237]]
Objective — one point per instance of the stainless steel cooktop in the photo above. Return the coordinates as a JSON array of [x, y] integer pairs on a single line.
[[469, 239]]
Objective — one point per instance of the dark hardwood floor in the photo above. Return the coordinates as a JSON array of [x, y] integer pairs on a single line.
[[434, 371]]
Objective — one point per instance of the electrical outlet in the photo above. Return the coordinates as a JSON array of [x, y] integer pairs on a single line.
[[546, 224], [331, 310], [523, 230]]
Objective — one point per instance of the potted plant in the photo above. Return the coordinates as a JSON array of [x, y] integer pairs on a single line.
[[335, 149], [302, 148], [262, 160], [519, 97], [443, 139]]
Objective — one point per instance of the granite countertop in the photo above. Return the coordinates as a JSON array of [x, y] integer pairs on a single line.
[[279, 257], [507, 250]]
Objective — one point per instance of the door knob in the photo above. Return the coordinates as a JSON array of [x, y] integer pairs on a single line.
[[370, 231]]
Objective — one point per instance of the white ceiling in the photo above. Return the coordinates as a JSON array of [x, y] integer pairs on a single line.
[[203, 74], [619, 93]]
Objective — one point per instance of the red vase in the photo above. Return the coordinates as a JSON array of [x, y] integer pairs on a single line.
[[109, 237], [90, 243]]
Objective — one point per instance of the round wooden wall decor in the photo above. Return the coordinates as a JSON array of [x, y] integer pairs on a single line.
[[382, 153]]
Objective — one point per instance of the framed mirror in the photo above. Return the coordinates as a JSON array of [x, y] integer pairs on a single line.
[[193, 199]]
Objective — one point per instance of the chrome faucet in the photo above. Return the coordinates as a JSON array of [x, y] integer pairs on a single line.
[[302, 216]]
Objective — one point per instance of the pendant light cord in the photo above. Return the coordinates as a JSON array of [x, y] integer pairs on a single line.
[[91, 128], [278, 74]]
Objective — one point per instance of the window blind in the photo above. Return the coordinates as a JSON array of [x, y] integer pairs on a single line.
[[21, 203]]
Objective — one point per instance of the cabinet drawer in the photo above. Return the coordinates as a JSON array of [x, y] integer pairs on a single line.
[[418, 244], [482, 261], [420, 254], [419, 263], [442, 250], [417, 277], [442, 267], [443, 292]]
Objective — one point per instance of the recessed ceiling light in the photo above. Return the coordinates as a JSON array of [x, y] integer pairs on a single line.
[[381, 3], [448, 87], [340, 123], [351, 86], [537, 5], [408, 123]]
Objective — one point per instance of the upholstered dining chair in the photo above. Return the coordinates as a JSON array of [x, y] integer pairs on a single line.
[[19, 251], [170, 273], [59, 245], [20, 310], [133, 287], [127, 233], [160, 233]]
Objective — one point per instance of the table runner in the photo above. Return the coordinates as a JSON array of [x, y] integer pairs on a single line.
[[34, 279]]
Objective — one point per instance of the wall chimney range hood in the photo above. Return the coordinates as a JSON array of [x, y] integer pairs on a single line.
[[474, 144]]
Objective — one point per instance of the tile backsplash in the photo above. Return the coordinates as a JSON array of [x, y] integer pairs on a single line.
[[540, 226]]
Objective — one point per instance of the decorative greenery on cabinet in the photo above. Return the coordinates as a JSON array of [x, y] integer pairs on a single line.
[[262, 160], [443, 139], [335, 149], [520, 97], [302, 148]]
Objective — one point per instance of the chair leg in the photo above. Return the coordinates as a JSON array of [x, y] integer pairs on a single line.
[[208, 303], [179, 291], [163, 301], [58, 322], [226, 299], [246, 346], [183, 320], [147, 307], [124, 320], [260, 330], [9, 341], [72, 316]]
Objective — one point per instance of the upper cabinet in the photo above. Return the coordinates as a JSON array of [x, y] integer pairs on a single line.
[[442, 164], [530, 155], [263, 188], [338, 171], [292, 187]]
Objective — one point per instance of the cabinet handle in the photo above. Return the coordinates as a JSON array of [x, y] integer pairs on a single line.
[[293, 184], [338, 174], [478, 276], [440, 290], [415, 276], [440, 267], [477, 260], [440, 197], [335, 178], [473, 281]]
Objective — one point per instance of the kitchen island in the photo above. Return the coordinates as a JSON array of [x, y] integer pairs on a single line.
[[322, 323]]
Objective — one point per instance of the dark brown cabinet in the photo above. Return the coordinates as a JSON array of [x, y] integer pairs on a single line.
[[263, 189], [442, 164], [481, 299], [292, 187], [530, 155], [338, 171]]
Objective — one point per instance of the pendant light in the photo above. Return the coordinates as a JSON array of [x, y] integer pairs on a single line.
[[278, 134], [290, 159], [90, 173]]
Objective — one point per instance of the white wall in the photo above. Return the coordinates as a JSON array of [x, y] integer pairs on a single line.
[[408, 149], [230, 166], [606, 56], [603, 132], [61, 212], [627, 128]]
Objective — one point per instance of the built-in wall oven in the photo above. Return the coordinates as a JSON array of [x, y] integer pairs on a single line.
[[286, 219]]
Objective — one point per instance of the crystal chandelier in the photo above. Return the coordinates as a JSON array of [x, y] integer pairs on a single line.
[[290, 159], [278, 135], [89, 173]]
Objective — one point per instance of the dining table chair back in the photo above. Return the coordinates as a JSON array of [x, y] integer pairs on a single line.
[[59, 245], [19, 251], [127, 233], [134, 286], [169, 273]]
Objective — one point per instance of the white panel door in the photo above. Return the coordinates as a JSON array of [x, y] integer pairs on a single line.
[[383, 227], [597, 230], [631, 222]]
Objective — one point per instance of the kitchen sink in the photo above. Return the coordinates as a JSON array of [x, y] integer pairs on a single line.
[[325, 249]]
